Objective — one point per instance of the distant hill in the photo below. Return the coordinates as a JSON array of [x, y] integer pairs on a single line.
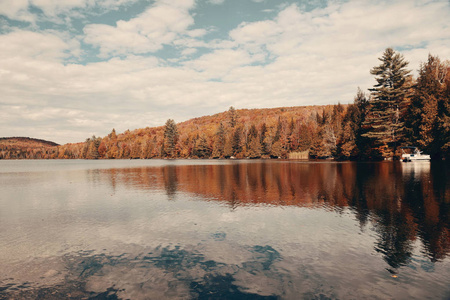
[[24, 147], [26, 142]]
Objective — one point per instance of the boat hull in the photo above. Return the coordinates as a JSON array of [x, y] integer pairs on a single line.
[[407, 158]]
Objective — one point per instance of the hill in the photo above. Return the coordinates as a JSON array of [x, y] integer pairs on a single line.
[[24, 147], [253, 133]]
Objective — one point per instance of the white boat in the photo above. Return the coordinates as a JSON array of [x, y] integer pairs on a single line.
[[414, 154]]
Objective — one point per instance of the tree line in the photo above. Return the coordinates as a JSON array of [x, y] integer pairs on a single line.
[[399, 110]]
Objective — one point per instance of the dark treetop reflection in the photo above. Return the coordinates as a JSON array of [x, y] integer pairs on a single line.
[[404, 201], [210, 229]]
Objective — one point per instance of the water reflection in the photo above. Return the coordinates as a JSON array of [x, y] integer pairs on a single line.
[[230, 230], [402, 201]]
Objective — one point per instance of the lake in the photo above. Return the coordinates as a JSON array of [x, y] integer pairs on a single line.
[[224, 229]]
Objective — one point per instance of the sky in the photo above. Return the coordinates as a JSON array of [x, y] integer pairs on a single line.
[[70, 69]]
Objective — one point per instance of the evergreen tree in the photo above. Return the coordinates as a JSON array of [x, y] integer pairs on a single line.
[[233, 116], [358, 117], [262, 139], [385, 119], [202, 149], [252, 133], [291, 138], [351, 143], [277, 135], [170, 139], [236, 141]]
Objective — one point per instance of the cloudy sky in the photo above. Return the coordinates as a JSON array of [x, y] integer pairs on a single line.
[[70, 69]]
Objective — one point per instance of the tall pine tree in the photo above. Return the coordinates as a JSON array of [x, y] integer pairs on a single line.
[[385, 119]]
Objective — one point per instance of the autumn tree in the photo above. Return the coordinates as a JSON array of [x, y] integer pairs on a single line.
[[385, 118], [113, 151], [136, 149], [325, 140], [219, 142], [253, 145], [254, 148], [202, 149], [346, 147], [102, 149], [443, 122], [428, 114], [228, 147], [113, 135], [277, 150]]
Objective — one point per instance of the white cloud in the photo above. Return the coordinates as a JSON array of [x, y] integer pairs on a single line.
[[160, 24], [297, 58], [45, 46], [16, 10], [188, 51], [218, 63], [20, 9], [315, 49], [196, 33], [216, 1], [52, 7]]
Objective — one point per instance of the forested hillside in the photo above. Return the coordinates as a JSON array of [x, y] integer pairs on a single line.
[[399, 110], [240, 133], [25, 147]]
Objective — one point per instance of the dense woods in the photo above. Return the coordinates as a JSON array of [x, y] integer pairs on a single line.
[[398, 111]]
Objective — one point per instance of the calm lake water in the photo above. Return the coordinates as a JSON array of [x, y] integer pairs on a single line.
[[208, 229]]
